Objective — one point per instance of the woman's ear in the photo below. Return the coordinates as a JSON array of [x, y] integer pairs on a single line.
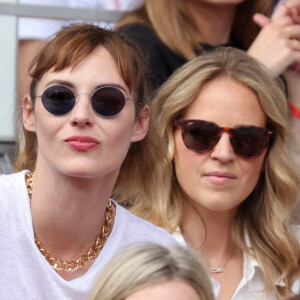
[[28, 114], [141, 124]]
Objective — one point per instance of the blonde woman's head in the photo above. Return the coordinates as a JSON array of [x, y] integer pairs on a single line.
[[181, 90], [153, 270]]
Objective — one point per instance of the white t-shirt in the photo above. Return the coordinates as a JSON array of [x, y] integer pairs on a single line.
[[253, 281], [34, 28], [24, 272]]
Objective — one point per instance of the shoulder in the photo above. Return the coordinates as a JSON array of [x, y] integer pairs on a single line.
[[179, 237], [136, 29], [140, 229], [12, 192], [9, 182], [161, 60], [142, 34]]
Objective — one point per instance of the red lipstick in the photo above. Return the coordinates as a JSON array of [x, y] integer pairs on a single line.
[[82, 143]]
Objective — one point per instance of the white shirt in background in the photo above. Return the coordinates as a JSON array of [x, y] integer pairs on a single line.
[[39, 29]]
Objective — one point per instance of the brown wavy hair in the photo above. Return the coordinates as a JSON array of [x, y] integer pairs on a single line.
[[68, 48]]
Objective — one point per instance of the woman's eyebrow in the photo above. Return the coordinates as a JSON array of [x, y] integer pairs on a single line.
[[60, 82], [125, 90], [72, 86]]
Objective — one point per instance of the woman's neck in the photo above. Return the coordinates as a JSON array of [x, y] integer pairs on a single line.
[[208, 232], [213, 21], [68, 212]]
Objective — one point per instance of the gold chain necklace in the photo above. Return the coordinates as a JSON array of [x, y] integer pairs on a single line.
[[73, 265]]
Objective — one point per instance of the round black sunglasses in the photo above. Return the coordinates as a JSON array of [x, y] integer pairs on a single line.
[[107, 101]]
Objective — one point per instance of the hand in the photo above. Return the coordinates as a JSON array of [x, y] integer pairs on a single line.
[[277, 46], [293, 8]]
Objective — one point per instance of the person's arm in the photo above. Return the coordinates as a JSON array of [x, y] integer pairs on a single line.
[[278, 47]]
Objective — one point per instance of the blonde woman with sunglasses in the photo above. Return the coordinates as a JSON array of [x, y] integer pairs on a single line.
[[85, 115], [228, 184], [174, 32]]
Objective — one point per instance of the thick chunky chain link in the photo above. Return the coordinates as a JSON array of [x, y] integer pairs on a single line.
[[73, 265]]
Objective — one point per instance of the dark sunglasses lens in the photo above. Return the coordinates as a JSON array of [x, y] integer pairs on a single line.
[[58, 100], [108, 101], [249, 141], [200, 136]]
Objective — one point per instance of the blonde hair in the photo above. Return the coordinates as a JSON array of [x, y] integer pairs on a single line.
[[264, 215], [144, 266], [174, 26]]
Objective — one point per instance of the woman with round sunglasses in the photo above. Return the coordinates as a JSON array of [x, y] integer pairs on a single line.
[[228, 184], [85, 117]]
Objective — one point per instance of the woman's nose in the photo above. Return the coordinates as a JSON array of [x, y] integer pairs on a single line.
[[223, 150], [82, 113]]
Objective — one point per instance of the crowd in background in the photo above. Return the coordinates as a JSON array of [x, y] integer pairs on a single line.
[[186, 113]]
